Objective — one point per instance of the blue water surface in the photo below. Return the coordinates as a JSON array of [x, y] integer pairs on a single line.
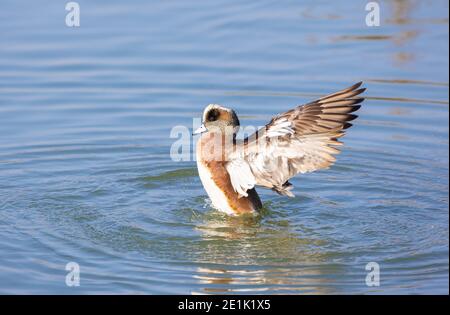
[[86, 176]]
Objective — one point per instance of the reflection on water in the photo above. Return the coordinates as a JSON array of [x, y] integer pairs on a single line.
[[271, 280], [239, 247], [399, 11], [85, 172]]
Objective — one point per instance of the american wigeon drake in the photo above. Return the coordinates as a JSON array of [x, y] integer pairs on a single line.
[[301, 140]]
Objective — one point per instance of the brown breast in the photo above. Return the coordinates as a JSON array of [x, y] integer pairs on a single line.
[[221, 178]]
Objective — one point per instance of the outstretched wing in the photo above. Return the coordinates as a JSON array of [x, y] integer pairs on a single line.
[[301, 140]]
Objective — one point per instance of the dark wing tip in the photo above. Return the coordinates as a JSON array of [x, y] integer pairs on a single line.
[[355, 108], [359, 91], [357, 85], [347, 125]]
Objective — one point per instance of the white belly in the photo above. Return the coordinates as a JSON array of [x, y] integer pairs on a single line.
[[218, 198]]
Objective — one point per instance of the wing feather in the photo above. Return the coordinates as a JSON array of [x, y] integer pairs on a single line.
[[301, 140]]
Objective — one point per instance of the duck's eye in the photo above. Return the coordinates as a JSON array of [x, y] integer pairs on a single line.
[[212, 115]]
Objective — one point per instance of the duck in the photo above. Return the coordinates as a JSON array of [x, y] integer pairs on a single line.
[[303, 139]]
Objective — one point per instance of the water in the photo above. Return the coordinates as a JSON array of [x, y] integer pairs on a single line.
[[86, 176]]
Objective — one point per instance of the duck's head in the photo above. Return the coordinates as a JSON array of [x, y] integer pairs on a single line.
[[218, 118]]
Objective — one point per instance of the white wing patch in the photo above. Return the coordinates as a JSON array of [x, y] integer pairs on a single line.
[[280, 127], [241, 176]]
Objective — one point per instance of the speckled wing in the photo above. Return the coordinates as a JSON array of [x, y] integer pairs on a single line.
[[301, 140]]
